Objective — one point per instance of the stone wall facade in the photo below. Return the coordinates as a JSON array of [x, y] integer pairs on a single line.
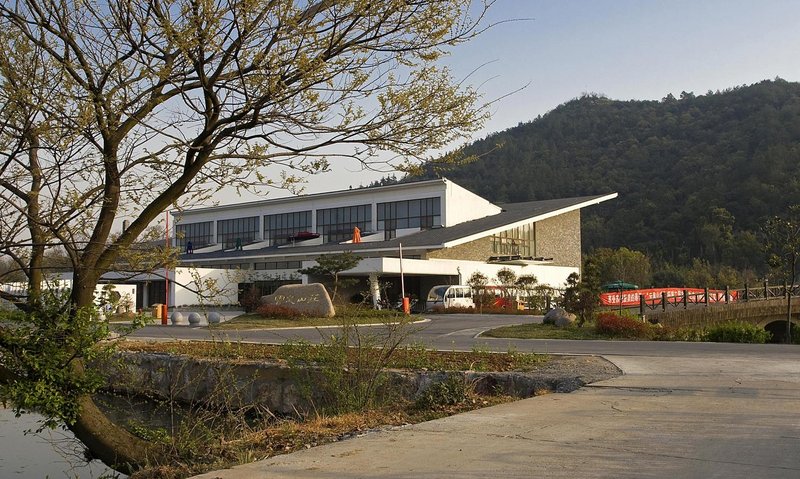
[[559, 238], [477, 250]]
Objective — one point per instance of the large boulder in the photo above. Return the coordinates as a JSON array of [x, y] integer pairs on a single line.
[[307, 299], [559, 317]]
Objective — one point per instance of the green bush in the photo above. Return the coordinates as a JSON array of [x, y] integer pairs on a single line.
[[449, 392], [737, 332], [616, 326], [680, 334]]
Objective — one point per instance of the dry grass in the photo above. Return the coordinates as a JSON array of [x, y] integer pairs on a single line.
[[275, 435], [412, 357], [285, 436]]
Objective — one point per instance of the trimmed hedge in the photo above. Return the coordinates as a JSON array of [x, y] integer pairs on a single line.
[[737, 332]]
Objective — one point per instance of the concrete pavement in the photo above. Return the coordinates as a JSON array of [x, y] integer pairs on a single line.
[[728, 414]]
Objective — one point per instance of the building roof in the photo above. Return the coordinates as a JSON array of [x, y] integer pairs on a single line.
[[512, 215]]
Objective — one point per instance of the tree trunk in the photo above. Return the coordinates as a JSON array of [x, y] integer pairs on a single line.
[[789, 317], [107, 441], [36, 263], [115, 446], [793, 272]]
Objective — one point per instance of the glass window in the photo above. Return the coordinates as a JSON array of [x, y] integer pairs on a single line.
[[281, 228], [337, 224], [423, 213], [414, 208], [198, 233], [237, 232], [294, 265], [516, 241]]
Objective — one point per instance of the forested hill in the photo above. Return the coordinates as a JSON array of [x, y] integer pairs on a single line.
[[696, 175]]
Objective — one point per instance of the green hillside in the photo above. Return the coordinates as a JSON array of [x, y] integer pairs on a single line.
[[696, 175]]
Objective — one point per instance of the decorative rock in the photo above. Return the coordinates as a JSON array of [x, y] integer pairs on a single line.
[[559, 317], [565, 321], [214, 318], [311, 299], [178, 319], [195, 319]]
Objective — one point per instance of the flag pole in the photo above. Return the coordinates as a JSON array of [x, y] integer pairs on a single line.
[[406, 303], [402, 280], [165, 311]]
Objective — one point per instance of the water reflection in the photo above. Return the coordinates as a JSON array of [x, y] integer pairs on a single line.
[[52, 453]]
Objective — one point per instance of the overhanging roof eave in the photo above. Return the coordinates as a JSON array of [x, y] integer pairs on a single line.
[[532, 219]]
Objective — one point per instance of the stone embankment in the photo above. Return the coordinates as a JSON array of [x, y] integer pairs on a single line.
[[282, 388]]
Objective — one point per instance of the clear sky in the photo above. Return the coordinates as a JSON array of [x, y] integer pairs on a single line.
[[624, 49]]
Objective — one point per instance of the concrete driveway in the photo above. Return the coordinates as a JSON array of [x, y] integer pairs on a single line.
[[681, 410]]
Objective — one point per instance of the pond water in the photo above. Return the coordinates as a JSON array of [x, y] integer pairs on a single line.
[[50, 454]]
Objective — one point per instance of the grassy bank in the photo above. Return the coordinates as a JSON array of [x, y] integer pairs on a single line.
[[213, 438], [411, 357], [613, 326], [543, 331], [345, 314]]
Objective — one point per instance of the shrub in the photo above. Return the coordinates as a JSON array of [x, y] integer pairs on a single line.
[[251, 299], [448, 392], [278, 312], [738, 332], [681, 334], [616, 326]]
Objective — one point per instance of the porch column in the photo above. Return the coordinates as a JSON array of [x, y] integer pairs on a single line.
[[145, 295], [375, 290]]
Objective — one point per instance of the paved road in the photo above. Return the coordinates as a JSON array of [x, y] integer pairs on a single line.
[[459, 331], [681, 410]]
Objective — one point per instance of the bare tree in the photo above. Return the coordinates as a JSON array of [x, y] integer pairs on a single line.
[[121, 109]]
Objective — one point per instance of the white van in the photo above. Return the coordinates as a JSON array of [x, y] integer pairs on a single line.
[[447, 296]]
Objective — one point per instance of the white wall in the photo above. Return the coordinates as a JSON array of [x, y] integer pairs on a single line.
[[186, 281], [184, 284], [458, 204], [463, 205], [127, 292], [372, 196]]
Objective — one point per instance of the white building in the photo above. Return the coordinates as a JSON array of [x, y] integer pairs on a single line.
[[446, 233]]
